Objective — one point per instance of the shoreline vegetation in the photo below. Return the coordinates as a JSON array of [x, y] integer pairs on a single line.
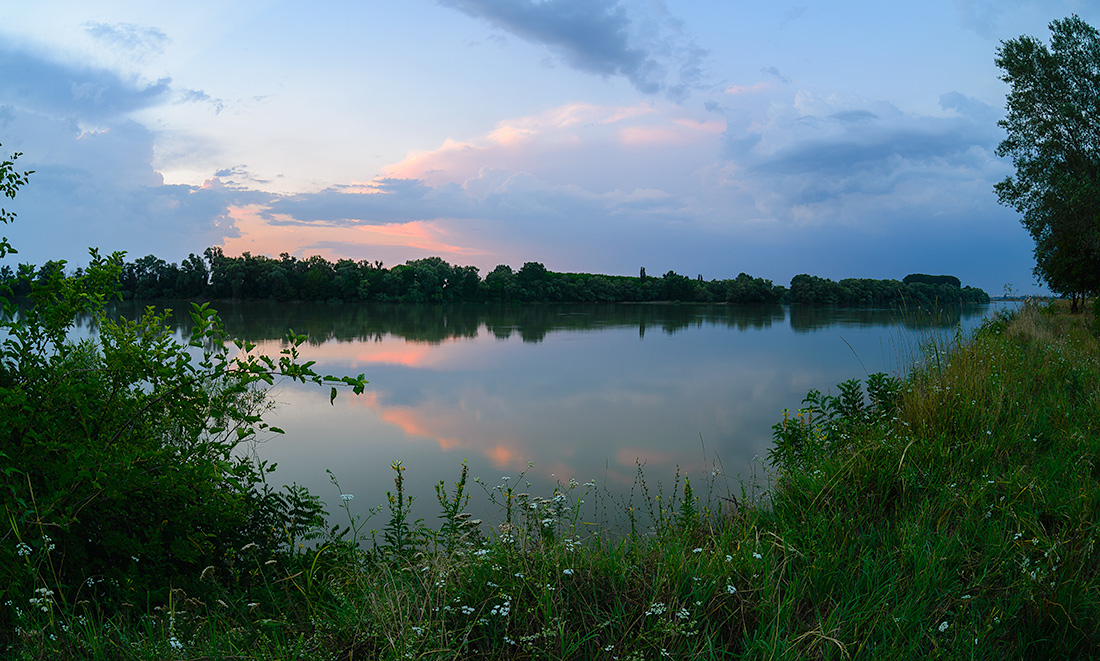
[[218, 277], [949, 514]]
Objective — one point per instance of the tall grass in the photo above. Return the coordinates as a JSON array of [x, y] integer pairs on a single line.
[[950, 515]]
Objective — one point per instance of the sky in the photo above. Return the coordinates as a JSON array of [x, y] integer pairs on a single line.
[[840, 138]]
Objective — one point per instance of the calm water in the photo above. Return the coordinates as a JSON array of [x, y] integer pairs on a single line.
[[574, 391]]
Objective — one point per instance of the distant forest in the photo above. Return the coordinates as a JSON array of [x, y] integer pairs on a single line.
[[216, 276]]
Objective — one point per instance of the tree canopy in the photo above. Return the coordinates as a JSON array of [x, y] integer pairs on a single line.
[[433, 280], [1053, 127]]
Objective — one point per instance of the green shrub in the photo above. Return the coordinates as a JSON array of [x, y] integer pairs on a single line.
[[119, 471]]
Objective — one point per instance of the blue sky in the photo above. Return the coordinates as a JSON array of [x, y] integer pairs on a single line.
[[840, 138]]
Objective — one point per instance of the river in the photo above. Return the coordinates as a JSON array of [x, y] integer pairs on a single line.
[[551, 393]]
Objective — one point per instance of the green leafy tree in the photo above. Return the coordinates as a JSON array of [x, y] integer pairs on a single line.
[[500, 284], [1053, 126]]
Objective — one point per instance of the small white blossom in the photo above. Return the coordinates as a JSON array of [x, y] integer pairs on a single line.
[[943, 626]]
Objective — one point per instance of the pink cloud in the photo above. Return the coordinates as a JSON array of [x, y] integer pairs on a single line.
[[556, 138], [258, 236]]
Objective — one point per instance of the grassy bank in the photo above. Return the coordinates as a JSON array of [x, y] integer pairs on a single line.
[[951, 515]]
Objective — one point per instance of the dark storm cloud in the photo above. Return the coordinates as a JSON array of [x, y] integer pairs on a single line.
[[85, 93], [600, 37]]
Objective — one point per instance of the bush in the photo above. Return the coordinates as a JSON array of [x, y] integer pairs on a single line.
[[118, 462]]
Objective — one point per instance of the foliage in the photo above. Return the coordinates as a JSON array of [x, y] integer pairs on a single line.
[[931, 279], [119, 462], [433, 280], [825, 421], [1053, 138], [927, 292]]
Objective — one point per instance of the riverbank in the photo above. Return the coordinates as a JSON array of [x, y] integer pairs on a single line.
[[950, 515]]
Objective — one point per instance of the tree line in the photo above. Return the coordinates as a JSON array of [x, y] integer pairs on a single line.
[[217, 276]]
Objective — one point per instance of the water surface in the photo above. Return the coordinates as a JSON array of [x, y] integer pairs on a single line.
[[584, 392]]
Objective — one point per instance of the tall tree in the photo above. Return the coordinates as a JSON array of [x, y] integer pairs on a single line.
[[1053, 126]]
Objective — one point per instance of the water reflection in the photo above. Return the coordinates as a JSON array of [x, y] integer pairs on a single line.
[[579, 391], [532, 323]]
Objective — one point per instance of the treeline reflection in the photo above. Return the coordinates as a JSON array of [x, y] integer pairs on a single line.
[[269, 320]]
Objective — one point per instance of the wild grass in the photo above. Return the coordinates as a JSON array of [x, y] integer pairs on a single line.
[[953, 514]]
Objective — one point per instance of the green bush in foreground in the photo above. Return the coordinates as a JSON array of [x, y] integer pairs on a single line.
[[119, 474]]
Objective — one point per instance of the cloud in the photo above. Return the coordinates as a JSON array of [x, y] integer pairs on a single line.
[[382, 201], [83, 93], [135, 41], [828, 159], [603, 37], [774, 73], [970, 107], [238, 176], [94, 182], [198, 96], [987, 17], [98, 189], [780, 182], [836, 184]]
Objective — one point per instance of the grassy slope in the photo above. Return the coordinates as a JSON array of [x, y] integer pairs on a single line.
[[968, 526], [963, 527]]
